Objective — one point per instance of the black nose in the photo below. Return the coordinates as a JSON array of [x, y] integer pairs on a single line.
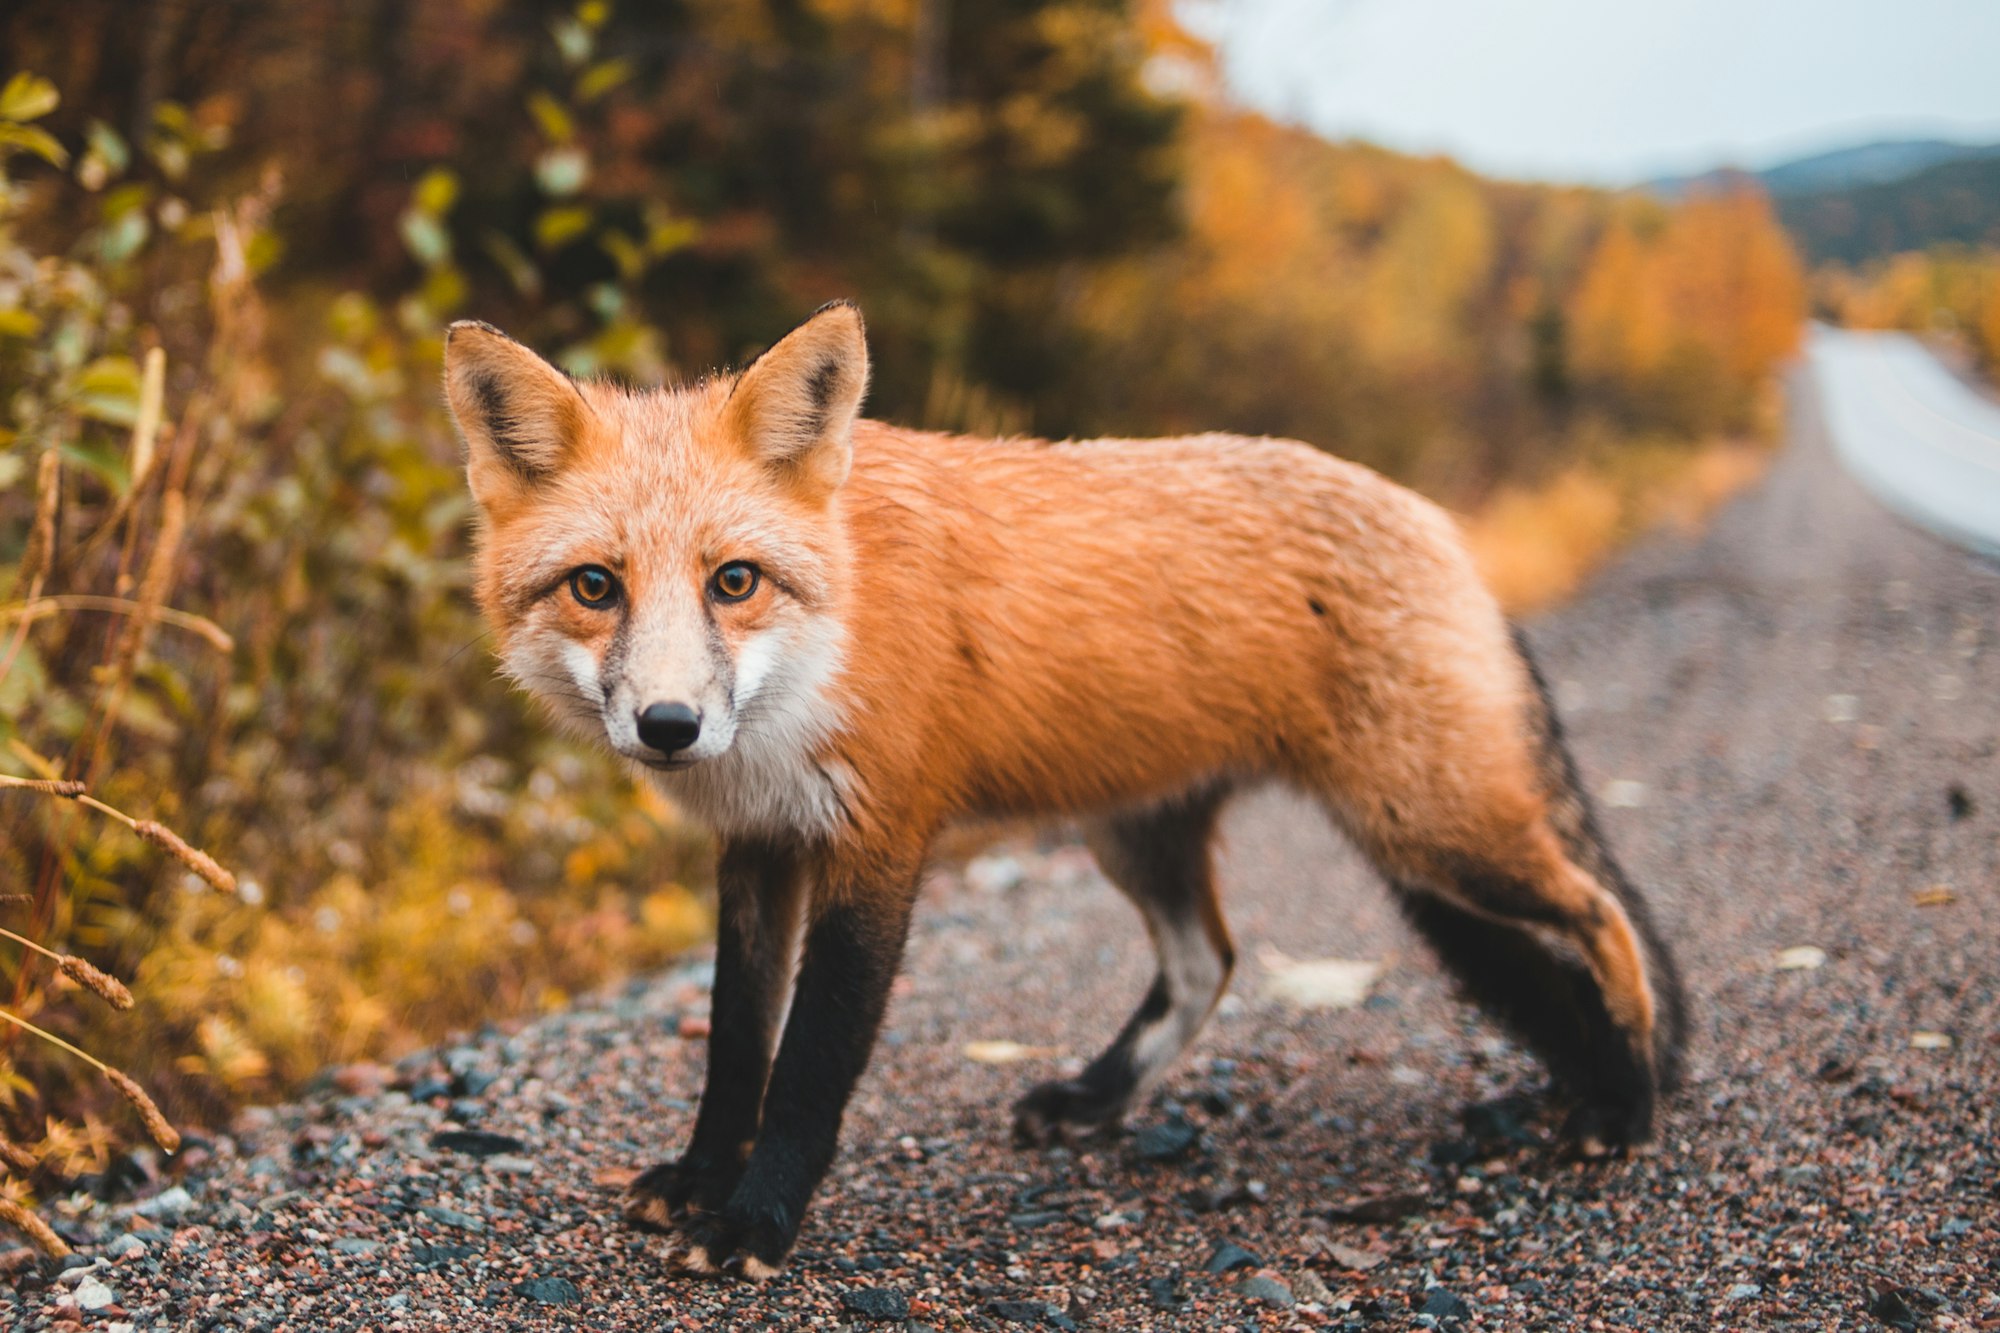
[[669, 727]]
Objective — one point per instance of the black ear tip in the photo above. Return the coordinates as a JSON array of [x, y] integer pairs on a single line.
[[841, 304], [459, 326]]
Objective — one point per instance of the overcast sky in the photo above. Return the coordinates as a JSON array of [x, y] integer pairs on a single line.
[[1615, 90]]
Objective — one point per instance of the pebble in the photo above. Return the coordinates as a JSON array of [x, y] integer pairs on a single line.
[[1167, 1141], [1444, 1306], [476, 1142], [550, 1291], [1269, 1290], [93, 1295], [510, 1164], [125, 1245], [169, 1205], [876, 1302], [1229, 1256], [1029, 1312]]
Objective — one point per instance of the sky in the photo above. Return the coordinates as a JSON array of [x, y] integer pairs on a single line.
[[1615, 91]]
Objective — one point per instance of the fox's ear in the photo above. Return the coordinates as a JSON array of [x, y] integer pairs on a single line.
[[796, 404], [519, 414]]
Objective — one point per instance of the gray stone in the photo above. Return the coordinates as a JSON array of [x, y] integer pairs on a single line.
[[1268, 1290], [169, 1205]]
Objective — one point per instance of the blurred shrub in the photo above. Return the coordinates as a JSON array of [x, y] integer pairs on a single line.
[[1052, 221], [1952, 292], [241, 610]]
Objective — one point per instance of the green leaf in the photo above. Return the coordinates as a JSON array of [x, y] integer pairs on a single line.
[[557, 227], [520, 269], [669, 234], [552, 116], [126, 199], [436, 192], [28, 138], [28, 97], [108, 144], [123, 237], [101, 459], [601, 78], [426, 237], [626, 253], [108, 390], [573, 40]]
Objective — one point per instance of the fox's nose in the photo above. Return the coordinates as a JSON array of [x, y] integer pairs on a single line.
[[669, 727]]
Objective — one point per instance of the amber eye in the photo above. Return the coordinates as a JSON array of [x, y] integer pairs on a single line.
[[735, 581], [594, 586]]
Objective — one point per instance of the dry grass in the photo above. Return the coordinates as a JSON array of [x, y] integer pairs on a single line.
[[1535, 546]]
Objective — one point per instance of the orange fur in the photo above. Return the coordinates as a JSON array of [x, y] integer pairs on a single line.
[[1018, 627]]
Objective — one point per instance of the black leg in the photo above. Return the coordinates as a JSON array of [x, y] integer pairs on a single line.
[[1160, 859], [1551, 1000], [760, 891], [853, 948]]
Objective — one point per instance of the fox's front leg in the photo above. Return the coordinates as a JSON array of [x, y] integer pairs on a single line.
[[759, 891], [854, 944]]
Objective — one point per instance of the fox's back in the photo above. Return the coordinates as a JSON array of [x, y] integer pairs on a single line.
[[1089, 619]]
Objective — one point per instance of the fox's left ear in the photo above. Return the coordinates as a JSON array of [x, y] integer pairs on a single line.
[[520, 415], [796, 404]]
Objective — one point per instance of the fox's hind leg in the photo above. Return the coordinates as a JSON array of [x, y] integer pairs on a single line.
[[1159, 858], [1490, 843]]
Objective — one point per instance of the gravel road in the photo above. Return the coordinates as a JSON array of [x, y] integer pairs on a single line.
[[1791, 722]]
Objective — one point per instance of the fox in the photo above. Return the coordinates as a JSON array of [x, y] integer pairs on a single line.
[[829, 638]]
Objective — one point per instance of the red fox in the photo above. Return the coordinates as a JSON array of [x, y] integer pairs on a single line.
[[828, 638]]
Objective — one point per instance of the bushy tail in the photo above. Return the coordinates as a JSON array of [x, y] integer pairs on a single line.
[[1575, 822]]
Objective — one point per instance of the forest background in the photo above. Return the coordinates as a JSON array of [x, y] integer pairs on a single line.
[[231, 236]]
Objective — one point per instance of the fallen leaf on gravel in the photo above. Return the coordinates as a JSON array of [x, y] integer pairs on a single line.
[[1930, 1041], [1624, 794], [615, 1177], [1351, 1258], [1801, 958], [1006, 1052], [1937, 895], [1317, 983], [1381, 1208]]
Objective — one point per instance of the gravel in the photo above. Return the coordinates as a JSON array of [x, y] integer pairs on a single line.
[[1834, 1162]]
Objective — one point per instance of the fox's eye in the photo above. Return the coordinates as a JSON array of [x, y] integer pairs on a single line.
[[735, 581], [594, 586]]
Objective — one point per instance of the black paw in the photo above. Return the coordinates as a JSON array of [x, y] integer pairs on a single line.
[[1064, 1109], [1609, 1128], [664, 1194], [735, 1239]]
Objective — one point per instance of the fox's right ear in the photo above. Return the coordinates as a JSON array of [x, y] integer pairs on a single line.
[[519, 414]]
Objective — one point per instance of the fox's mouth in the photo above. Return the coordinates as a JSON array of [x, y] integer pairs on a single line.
[[666, 765]]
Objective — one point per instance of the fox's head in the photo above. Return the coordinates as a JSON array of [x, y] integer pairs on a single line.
[[664, 567]]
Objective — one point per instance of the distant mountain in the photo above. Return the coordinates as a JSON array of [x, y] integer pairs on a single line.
[[1856, 204], [1840, 169], [1956, 202]]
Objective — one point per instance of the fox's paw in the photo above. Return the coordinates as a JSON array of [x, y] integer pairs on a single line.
[[1596, 1130], [664, 1194], [735, 1241], [1063, 1109]]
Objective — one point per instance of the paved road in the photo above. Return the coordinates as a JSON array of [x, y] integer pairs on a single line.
[[1795, 714], [1918, 436]]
